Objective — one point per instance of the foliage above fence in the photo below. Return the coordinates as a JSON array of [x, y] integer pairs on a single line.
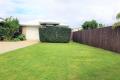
[[90, 24], [93, 24], [117, 24], [55, 34], [106, 38]]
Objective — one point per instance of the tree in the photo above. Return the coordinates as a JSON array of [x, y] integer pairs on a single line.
[[117, 24], [118, 16], [10, 26], [100, 25], [90, 24]]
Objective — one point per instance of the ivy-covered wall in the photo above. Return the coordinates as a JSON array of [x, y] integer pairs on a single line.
[[55, 34]]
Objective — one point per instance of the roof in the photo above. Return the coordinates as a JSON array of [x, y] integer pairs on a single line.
[[49, 23], [29, 25]]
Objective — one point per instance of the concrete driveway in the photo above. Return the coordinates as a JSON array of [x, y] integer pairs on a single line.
[[9, 46]]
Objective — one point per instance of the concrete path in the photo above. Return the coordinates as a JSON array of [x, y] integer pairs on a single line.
[[9, 46]]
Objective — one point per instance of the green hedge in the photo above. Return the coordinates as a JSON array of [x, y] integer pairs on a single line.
[[55, 34]]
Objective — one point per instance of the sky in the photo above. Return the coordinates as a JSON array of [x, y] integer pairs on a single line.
[[69, 12]]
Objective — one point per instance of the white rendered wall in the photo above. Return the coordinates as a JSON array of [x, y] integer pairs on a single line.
[[32, 33]]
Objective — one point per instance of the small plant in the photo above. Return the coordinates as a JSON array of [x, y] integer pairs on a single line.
[[16, 39], [20, 37]]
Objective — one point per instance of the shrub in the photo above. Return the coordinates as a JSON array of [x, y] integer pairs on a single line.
[[9, 27], [55, 34], [1, 37]]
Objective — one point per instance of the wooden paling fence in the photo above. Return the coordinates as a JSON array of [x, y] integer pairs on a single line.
[[106, 38]]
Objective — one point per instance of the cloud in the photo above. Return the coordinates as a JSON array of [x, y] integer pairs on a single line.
[[71, 12]]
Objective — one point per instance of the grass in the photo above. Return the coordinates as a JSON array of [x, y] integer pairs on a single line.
[[58, 61]]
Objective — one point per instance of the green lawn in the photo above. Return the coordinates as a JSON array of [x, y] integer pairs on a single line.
[[58, 61]]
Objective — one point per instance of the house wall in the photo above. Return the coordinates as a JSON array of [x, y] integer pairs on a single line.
[[31, 32], [24, 30]]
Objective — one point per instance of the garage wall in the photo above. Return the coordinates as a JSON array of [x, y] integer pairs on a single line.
[[31, 32]]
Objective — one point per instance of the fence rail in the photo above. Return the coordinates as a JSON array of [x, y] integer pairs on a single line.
[[105, 38]]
